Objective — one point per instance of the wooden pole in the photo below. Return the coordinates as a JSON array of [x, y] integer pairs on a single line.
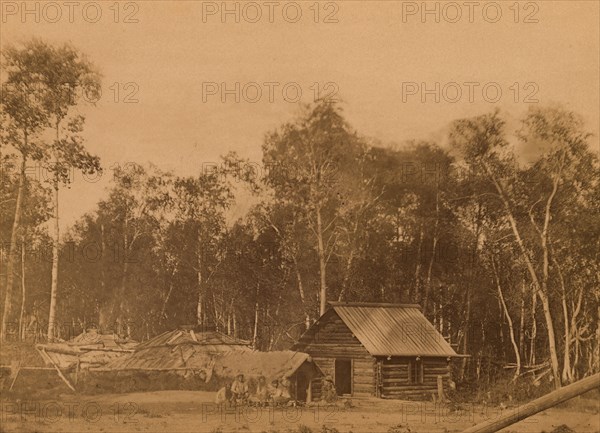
[[60, 374], [537, 405], [24, 368], [15, 369], [440, 389]]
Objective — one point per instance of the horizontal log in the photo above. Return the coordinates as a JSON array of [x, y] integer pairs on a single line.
[[404, 389], [398, 372], [134, 369], [331, 351], [392, 381], [326, 351], [328, 344], [435, 371], [323, 360], [61, 351], [407, 394], [105, 349], [365, 389], [337, 340], [400, 368], [364, 381], [8, 367], [409, 391], [336, 353]]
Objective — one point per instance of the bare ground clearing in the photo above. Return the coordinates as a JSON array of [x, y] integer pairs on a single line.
[[194, 411]]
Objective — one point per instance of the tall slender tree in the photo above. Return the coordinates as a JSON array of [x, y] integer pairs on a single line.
[[24, 116]]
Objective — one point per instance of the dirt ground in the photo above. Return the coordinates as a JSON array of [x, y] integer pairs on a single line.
[[194, 411]]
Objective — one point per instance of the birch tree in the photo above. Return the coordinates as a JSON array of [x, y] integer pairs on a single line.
[[307, 157], [23, 119]]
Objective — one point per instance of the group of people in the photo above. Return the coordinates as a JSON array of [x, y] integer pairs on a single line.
[[277, 393]]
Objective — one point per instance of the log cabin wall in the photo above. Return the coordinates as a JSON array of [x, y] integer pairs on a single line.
[[331, 339], [378, 338], [407, 378]]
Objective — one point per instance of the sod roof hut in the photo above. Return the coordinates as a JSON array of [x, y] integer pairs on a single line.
[[179, 350], [87, 350], [189, 360]]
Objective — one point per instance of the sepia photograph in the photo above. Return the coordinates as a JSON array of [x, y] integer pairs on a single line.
[[308, 216]]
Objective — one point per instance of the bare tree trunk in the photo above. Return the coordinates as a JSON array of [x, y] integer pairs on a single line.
[[346, 278], [200, 304], [302, 294], [433, 251], [122, 296], [509, 320], [171, 286], [322, 264], [235, 328], [540, 286], [594, 347], [417, 284], [12, 252], [54, 288], [255, 332], [229, 322], [102, 309], [429, 272], [533, 329], [522, 320], [23, 291], [544, 287], [349, 262], [468, 292], [566, 371], [116, 318], [575, 334], [465, 345]]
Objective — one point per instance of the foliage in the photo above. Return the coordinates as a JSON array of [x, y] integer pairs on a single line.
[[495, 233]]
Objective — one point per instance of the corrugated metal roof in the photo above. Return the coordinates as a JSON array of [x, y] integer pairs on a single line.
[[393, 329]]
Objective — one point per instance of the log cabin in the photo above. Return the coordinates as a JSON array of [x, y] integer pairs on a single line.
[[375, 349]]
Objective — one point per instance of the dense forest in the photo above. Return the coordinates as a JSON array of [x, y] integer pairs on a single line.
[[494, 231]]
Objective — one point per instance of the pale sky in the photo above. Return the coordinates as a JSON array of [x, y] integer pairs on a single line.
[[368, 54]]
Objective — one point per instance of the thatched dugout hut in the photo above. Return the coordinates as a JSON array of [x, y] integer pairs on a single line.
[[183, 359]]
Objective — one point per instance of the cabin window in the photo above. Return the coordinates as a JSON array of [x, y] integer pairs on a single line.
[[415, 371]]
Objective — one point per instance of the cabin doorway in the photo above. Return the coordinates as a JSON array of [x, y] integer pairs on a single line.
[[343, 376], [301, 386]]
